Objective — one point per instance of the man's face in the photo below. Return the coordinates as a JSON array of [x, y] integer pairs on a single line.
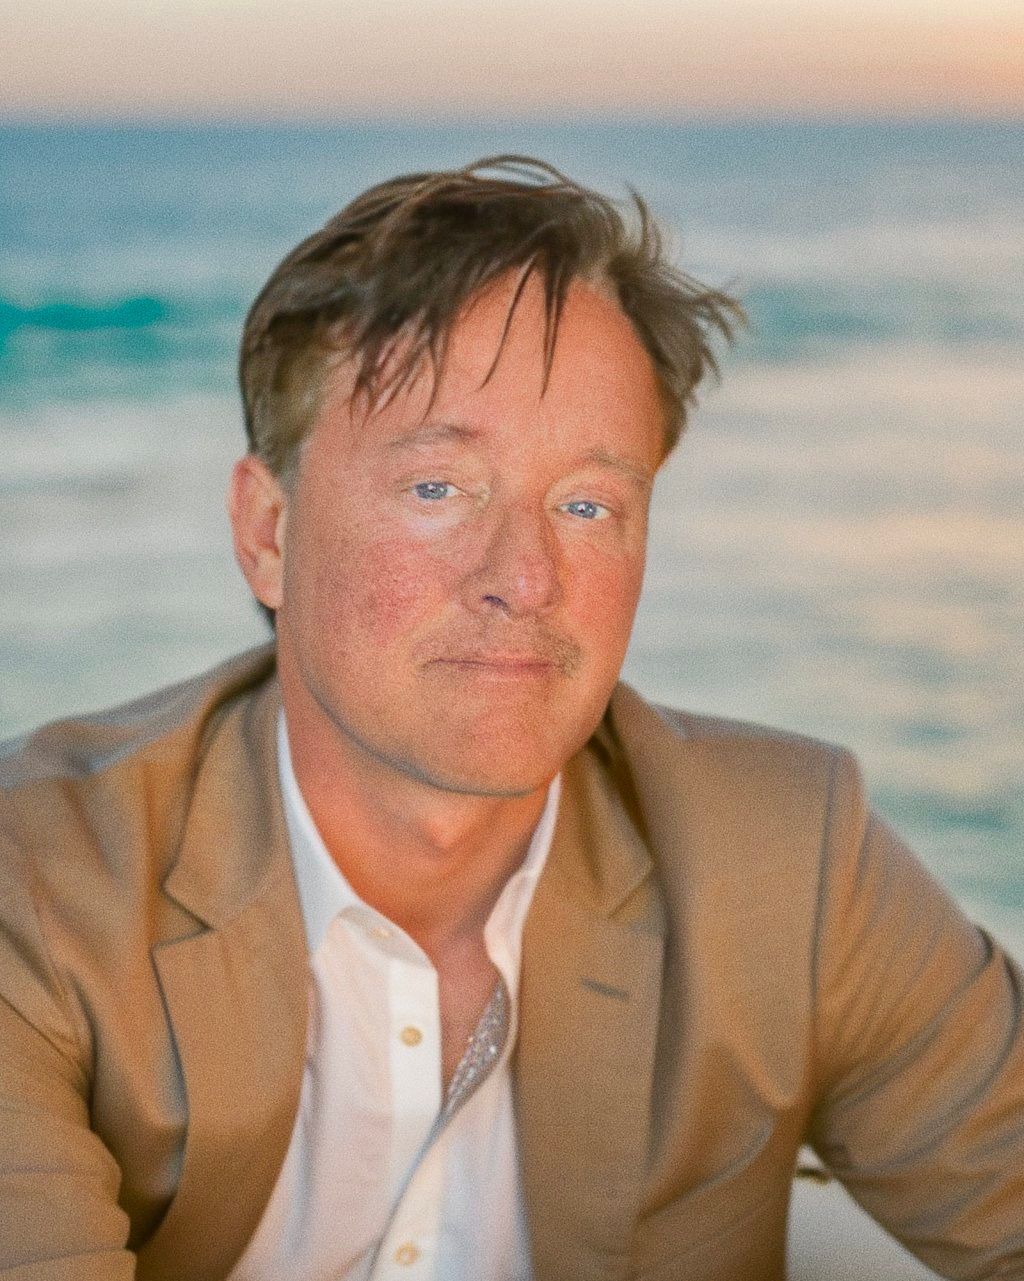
[[459, 582]]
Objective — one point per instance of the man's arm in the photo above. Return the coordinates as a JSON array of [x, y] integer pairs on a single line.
[[920, 1052], [59, 1217]]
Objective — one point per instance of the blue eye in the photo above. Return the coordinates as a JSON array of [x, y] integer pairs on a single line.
[[432, 491], [587, 509]]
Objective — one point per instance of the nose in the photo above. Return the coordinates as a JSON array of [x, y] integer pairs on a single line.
[[518, 573]]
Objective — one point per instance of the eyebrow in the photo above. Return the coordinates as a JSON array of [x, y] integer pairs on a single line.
[[635, 471], [436, 433], [432, 433]]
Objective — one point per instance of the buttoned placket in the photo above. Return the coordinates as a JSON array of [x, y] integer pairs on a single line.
[[408, 1247]]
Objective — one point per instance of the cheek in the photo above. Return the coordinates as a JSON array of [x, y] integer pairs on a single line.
[[604, 592], [389, 589]]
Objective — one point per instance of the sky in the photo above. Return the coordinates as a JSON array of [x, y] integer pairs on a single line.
[[323, 59]]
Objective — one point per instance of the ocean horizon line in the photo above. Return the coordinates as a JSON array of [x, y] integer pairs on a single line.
[[418, 118]]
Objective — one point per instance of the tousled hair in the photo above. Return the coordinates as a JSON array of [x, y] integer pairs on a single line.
[[383, 282]]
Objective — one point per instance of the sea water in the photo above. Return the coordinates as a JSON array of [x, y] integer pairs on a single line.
[[837, 547]]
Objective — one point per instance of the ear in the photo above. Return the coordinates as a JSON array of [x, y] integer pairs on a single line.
[[258, 507]]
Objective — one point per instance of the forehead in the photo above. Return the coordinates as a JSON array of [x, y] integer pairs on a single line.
[[496, 384]]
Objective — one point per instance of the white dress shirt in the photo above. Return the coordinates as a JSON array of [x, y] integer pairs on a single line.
[[377, 1185]]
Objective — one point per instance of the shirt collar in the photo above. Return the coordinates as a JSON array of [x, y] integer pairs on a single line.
[[324, 891]]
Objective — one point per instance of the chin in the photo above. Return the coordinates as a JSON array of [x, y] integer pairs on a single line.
[[501, 753], [501, 771], [498, 778]]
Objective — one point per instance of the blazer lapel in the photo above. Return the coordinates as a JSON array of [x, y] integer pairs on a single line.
[[589, 1001], [235, 987]]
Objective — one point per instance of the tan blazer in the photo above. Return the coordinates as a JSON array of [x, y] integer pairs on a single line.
[[726, 954]]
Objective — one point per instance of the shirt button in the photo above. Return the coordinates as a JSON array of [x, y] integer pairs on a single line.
[[406, 1254], [411, 1036]]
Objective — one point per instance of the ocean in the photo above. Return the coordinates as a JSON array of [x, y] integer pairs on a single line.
[[837, 547]]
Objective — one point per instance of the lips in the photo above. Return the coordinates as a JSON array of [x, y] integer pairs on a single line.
[[501, 660], [500, 663], [492, 664], [555, 655]]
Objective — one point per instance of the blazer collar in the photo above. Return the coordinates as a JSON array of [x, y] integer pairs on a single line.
[[234, 841], [589, 1008], [235, 988]]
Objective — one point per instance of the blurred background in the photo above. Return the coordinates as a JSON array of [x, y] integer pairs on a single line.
[[837, 546]]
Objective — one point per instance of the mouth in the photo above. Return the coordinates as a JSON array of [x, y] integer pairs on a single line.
[[512, 665]]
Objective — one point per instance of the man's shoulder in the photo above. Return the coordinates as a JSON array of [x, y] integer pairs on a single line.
[[158, 727], [643, 722], [726, 805], [95, 808], [696, 772]]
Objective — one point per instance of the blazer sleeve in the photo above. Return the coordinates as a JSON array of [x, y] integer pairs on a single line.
[[59, 1216], [919, 1051]]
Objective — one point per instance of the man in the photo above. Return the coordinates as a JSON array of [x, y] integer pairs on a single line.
[[416, 945]]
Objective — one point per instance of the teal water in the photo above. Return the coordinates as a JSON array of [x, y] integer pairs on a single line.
[[838, 546]]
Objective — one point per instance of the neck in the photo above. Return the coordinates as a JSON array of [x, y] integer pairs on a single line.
[[432, 861]]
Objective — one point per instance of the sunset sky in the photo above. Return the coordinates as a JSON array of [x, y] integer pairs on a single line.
[[320, 60]]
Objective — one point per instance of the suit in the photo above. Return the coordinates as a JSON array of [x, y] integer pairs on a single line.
[[726, 955]]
